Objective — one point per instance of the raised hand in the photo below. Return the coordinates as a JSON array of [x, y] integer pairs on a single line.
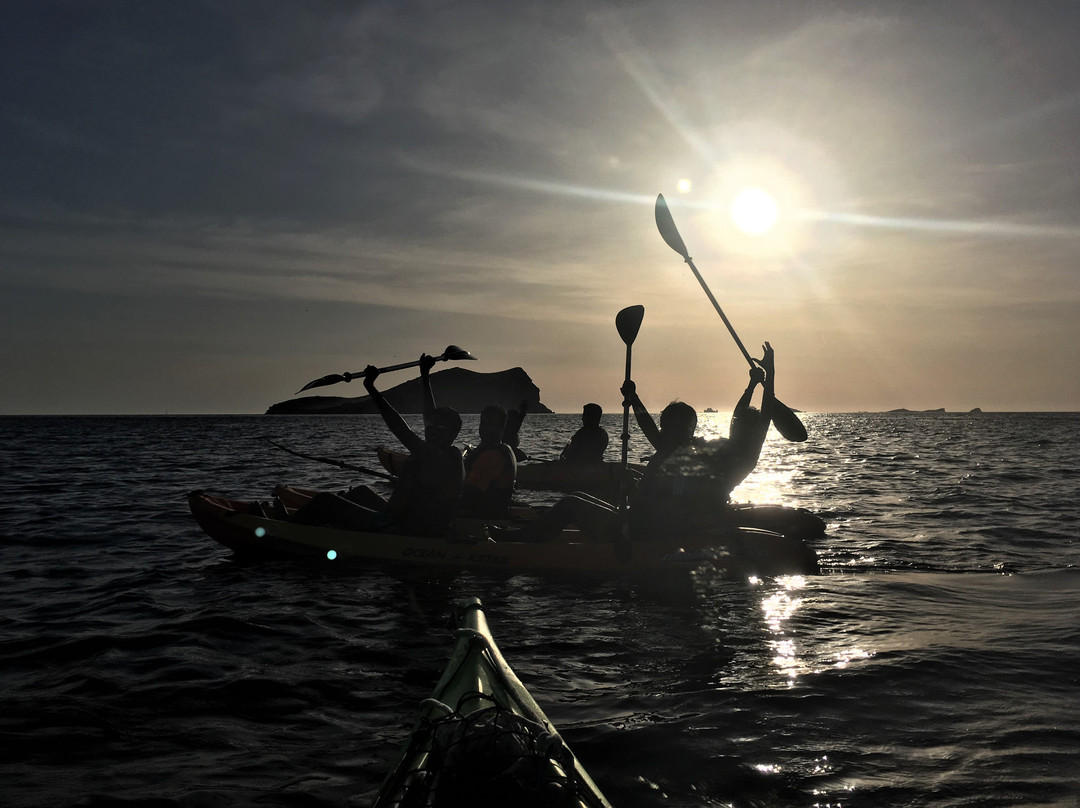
[[768, 359], [371, 373]]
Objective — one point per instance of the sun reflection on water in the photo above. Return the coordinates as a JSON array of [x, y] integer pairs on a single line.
[[779, 606], [781, 603]]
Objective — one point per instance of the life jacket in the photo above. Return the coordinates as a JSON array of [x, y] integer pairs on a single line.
[[490, 473]]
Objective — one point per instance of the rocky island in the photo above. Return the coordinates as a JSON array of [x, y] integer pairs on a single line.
[[465, 390], [939, 409]]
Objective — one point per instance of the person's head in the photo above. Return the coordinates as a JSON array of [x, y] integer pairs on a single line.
[[677, 424], [492, 423], [746, 426], [442, 426], [590, 414]]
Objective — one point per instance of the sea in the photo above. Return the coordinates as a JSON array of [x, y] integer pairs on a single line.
[[934, 661]]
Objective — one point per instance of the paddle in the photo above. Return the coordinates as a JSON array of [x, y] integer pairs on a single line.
[[628, 323], [452, 352], [341, 464], [787, 422]]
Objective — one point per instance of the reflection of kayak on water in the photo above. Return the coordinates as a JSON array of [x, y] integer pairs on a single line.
[[482, 740], [797, 522], [548, 475], [253, 529]]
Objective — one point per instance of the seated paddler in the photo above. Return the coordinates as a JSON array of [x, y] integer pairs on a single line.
[[590, 442], [490, 470], [428, 490], [687, 482]]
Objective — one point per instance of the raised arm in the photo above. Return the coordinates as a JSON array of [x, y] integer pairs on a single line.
[[768, 398], [514, 420], [645, 421], [755, 432], [394, 422], [427, 362], [757, 376]]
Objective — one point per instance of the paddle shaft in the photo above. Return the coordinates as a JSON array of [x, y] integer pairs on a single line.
[[785, 419], [341, 464], [402, 366], [451, 352], [720, 311], [626, 414]]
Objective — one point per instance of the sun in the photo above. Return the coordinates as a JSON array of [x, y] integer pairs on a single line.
[[754, 211]]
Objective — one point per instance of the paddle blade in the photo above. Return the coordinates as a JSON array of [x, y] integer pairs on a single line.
[[333, 378], [666, 225], [787, 423], [628, 322], [457, 354]]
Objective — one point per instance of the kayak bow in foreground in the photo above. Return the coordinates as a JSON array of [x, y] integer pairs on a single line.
[[482, 740]]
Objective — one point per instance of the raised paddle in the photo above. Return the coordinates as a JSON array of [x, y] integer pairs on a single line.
[[787, 422], [452, 352], [628, 323]]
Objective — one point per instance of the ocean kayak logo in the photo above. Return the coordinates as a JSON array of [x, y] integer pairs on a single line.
[[454, 557]]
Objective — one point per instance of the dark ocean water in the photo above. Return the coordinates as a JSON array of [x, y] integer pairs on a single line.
[[935, 662]]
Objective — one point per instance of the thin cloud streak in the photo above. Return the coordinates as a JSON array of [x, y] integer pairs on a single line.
[[1001, 229]]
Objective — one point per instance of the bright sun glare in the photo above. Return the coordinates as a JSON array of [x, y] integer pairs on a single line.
[[754, 211]]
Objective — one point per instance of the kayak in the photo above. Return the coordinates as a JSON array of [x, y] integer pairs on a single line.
[[558, 475], [599, 479], [252, 529], [482, 740]]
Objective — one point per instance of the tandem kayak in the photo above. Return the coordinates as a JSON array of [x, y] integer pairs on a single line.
[[249, 529], [482, 740], [599, 479]]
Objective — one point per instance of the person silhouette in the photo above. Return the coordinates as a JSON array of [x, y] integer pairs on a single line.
[[490, 470], [590, 441]]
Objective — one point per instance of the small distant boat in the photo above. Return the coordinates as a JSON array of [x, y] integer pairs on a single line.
[[482, 740], [249, 529]]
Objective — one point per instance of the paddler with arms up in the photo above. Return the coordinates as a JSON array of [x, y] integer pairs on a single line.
[[428, 490], [688, 482]]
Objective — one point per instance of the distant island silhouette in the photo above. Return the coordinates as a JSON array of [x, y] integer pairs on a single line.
[[465, 390], [939, 409]]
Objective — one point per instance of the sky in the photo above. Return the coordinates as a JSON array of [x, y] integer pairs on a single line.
[[206, 204]]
